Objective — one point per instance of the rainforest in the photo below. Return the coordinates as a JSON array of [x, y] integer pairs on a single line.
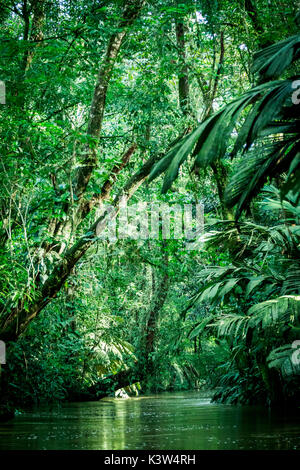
[[149, 224]]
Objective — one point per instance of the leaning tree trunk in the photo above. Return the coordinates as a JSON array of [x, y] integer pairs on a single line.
[[107, 385], [15, 319]]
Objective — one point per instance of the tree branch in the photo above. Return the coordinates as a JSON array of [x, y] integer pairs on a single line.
[[16, 321], [131, 12]]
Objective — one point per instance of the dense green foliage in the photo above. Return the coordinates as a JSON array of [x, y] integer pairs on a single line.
[[100, 96]]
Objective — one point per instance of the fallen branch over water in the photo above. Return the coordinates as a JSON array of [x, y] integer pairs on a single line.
[[107, 386]]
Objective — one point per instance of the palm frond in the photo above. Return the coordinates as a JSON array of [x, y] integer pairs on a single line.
[[272, 61], [231, 325], [263, 118], [178, 154], [270, 114], [284, 309], [286, 359], [256, 168], [198, 328]]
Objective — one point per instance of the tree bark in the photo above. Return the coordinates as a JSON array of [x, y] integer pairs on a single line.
[[108, 385], [221, 177], [253, 14], [218, 167], [183, 80], [90, 160], [84, 208], [36, 35], [16, 321], [160, 292]]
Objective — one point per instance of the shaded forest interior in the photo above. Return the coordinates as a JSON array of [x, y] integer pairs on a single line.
[[106, 104]]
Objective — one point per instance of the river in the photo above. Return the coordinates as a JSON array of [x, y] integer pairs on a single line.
[[181, 420]]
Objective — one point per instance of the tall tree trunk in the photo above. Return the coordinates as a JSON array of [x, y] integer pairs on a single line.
[[253, 14], [131, 12], [36, 35], [221, 177], [219, 169], [160, 291], [90, 158], [183, 80], [15, 321]]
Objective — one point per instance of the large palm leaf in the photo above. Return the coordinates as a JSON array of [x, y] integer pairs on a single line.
[[286, 359], [272, 115], [282, 310], [277, 245], [274, 60]]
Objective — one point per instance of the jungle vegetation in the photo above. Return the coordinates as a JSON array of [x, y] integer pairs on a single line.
[[165, 102]]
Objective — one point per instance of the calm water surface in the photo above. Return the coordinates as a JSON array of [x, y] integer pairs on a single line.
[[182, 421]]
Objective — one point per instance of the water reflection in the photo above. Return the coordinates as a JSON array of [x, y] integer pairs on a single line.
[[183, 421]]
